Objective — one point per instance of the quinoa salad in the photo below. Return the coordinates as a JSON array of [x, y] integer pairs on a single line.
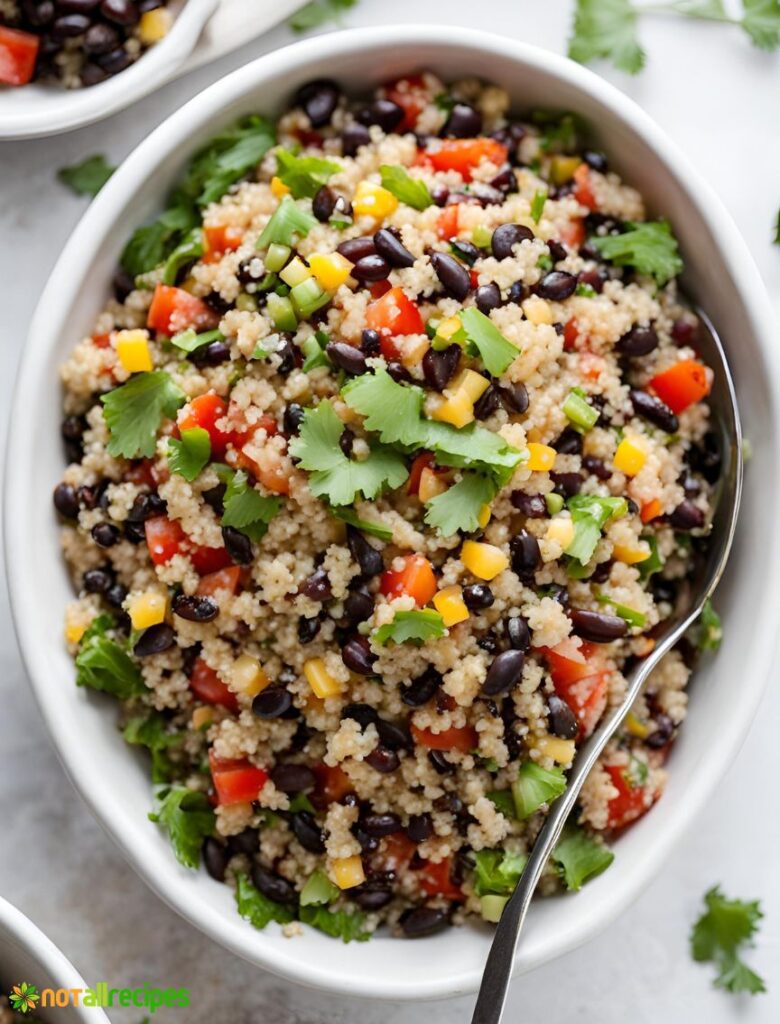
[[76, 42], [387, 461]]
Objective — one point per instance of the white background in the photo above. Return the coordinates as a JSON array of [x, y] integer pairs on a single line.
[[717, 96]]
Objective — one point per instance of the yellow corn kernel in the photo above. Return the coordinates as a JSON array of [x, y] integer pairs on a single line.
[[74, 631], [541, 457], [132, 349], [347, 872], [331, 270], [248, 676], [538, 311], [148, 609], [470, 383], [320, 680], [154, 25], [447, 328], [278, 187], [484, 516], [450, 605], [630, 456], [372, 200], [561, 530], [631, 555], [485, 561], [458, 410], [431, 485], [202, 717], [561, 751], [635, 727]]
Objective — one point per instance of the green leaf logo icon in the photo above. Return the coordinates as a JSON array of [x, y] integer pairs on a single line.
[[23, 997]]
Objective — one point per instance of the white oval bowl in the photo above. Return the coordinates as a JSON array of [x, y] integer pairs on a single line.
[[720, 274], [42, 109], [26, 954]]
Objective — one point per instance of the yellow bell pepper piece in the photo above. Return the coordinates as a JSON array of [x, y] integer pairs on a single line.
[[635, 727], [447, 328], [347, 872], [561, 751], [148, 609], [538, 311], [331, 270], [541, 457], [154, 25], [470, 383], [320, 680], [631, 555], [485, 561], [132, 349], [372, 200], [458, 410], [278, 187], [248, 676], [630, 456], [74, 631], [450, 605]]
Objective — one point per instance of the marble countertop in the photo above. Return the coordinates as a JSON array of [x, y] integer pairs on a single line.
[[717, 97]]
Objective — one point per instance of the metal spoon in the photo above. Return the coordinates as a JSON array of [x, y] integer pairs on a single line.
[[723, 403]]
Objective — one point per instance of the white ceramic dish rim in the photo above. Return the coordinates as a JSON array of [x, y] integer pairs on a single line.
[[55, 302], [49, 110], [56, 971]]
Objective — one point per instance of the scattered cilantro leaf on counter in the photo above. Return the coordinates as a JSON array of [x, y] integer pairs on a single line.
[[497, 872], [761, 21], [537, 204], [287, 221], [649, 247], [535, 786], [334, 476], [725, 927], [319, 12], [417, 626], [188, 456], [256, 908], [348, 515], [708, 629], [411, 191], [152, 732], [606, 28], [247, 510], [88, 177], [303, 175], [103, 664], [346, 925], [580, 857], [133, 412], [777, 229], [458, 507], [188, 819], [495, 351]]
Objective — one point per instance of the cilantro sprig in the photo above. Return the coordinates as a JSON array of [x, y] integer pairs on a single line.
[[724, 929], [151, 731], [497, 872], [319, 12], [590, 514], [88, 177], [103, 664], [244, 508], [303, 175], [287, 221], [189, 455], [579, 857], [415, 626], [495, 351], [459, 507], [188, 818], [648, 246], [133, 412], [411, 191]]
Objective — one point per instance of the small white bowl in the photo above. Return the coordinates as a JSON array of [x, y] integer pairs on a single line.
[[720, 274], [30, 111], [26, 954]]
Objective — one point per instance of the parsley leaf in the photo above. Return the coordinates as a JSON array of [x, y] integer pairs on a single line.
[[649, 247], [318, 12], [133, 412], [188, 341], [246, 509], [579, 857], [717, 936], [495, 351], [366, 525], [590, 514], [339, 924], [103, 664], [188, 456], [458, 508], [537, 204], [303, 175], [606, 28], [404, 187], [256, 908], [333, 475], [418, 626], [535, 786], [152, 732], [287, 221], [88, 177], [761, 21], [188, 818], [497, 872]]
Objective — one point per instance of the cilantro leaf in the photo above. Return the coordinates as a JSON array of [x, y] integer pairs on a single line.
[[303, 175], [189, 249], [649, 247], [653, 562], [88, 177], [318, 890], [579, 857], [761, 21], [256, 908], [188, 456], [367, 526], [188, 818], [724, 927], [606, 28], [504, 801], [149, 245], [318, 12], [152, 732], [333, 475], [777, 229], [287, 221], [246, 509], [103, 664], [590, 514], [417, 626], [404, 187], [537, 204], [535, 786], [188, 341], [458, 508], [497, 872], [495, 351], [133, 412], [339, 924]]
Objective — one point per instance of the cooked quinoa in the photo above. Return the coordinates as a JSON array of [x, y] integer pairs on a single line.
[[387, 462]]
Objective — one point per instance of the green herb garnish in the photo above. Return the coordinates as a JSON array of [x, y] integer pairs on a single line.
[[606, 28], [188, 818], [134, 411], [497, 872], [188, 456], [495, 351], [579, 857], [404, 187], [416, 626], [88, 177], [103, 664], [188, 341], [459, 507], [247, 510], [256, 908], [318, 890], [152, 732], [535, 786], [287, 221], [303, 175], [537, 204], [349, 926], [629, 615], [724, 929], [348, 515], [317, 13], [649, 247], [708, 628], [590, 514]]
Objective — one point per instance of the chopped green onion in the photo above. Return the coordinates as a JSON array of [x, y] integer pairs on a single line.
[[277, 256], [537, 205], [629, 615], [314, 352], [295, 273], [348, 515], [288, 220], [281, 312], [246, 303], [580, 412], [308, 297], [189, 340]]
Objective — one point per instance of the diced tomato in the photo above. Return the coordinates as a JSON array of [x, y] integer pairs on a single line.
[[332, 786], [174, 310], [142, 473], [582, 682], [436, 880], [223, 579], [463, 155], [583, 190], [682, 385], [650, 510], [208, 687], [411, 95], [463, 739], [219, 239], [206, 561], [570, 335], [379, 288], [18, 53], [164, 538], [417, 579], [236, 781], [447, 222], [101, 340], [424, 460], [630, 803], [204, 411], [474, 276], [395, 852], [394, 313], [573, 233]]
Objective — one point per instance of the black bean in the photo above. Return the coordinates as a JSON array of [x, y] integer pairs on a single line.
[[273, 886], [596, 160], [526, 555], [368, 844], [639, 341], [66, 501], [533, 506], [385, 113], [115, 60], [317, 586], [371, 268], [70, 25], [358, 656], [215, 857], [383, 760], [597, 627], [154, 640], [380, 825], [399, 373], [213, 354], [464, 122], [121, 12], [353, 137], [392, 736], [370, 897], [686, 516], [237, 545], [465, 251], [654, 410], [487, 297], [684, 333], [347, 357], [347, 441], [92, 496], [420, 827], [602, 572], [440, 762], [358, 606], [106, 535], [558, 251], [563, 721], [308, 629], [354, 249], [97, 581], [273, 702], [92, 74], [421, 689], [424, 921], [487, 403], [389, 246], [116, 594], [99, 39], [568, 442], [293, 418], [363, 714], [439, 367], [596, 466], [367, 556], [505, 181], [440, 194], [324, 203], [517, 293], [147, 505], [557, 285], [488, 643], [478, 596], [663, 732], [505, 672], [293, 778], [319, 99], [514, 397], [486, 194], [706, 458], [246, 842], [594, 278], [506, 237], [518, 633], [370, 343], [195, 608], [567, 484], [454, 277]]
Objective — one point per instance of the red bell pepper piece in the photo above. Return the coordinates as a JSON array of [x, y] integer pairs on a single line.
[[208, 687], [236, 781], [463, 155], [417, 579], [682, 385], [18, 53], [174, 310]]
